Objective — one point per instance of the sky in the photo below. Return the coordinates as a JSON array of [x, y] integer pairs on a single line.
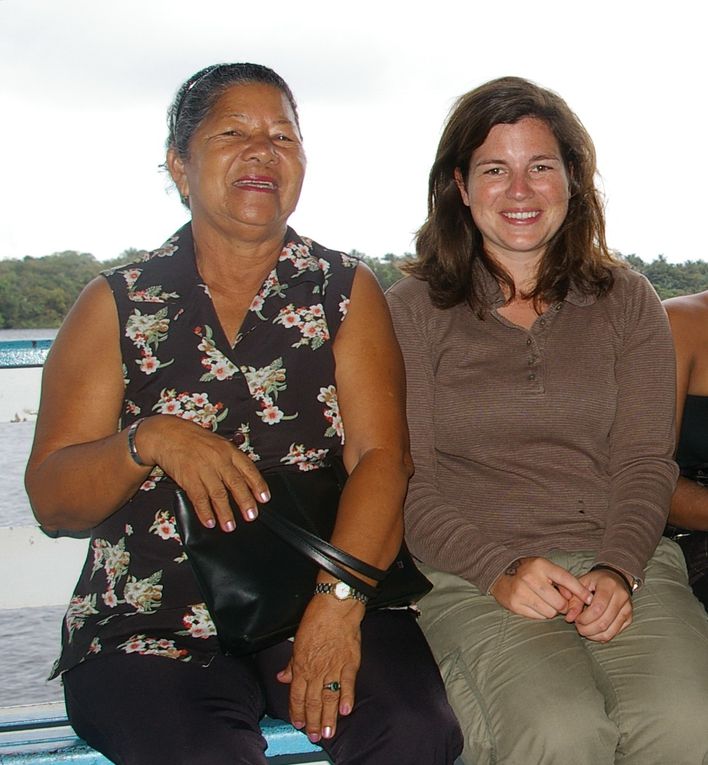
[[85, 85]]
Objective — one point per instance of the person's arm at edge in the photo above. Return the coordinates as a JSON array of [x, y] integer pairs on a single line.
[[689, 505], [371, 395], [77, 444], [641, 463]]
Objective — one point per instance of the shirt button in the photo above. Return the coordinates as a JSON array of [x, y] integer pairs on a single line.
[[542, 322], [528, 341], [532, 377]]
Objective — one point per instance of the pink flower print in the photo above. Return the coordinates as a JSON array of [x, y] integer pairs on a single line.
[[171, 407], [164, 525], [148, 364], [221, 371], [291, 320], [271, 415], [317, 311], [200, 400], [134, 645], [110, 599], [131, 276], [198, 622], [257, 303], [312, 329], [164, 530], [344, 307]]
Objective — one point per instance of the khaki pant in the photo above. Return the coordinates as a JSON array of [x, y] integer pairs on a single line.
[[532, 692]]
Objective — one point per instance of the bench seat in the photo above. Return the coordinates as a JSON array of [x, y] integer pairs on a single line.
[[40, 734]]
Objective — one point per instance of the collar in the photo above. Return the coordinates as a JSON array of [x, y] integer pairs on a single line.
[[492, 290]]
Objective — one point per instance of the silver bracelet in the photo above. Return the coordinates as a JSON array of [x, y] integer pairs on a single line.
[[132, 430]]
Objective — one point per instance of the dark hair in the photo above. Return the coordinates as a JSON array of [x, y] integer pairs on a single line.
[[449, 244], [198, 94]]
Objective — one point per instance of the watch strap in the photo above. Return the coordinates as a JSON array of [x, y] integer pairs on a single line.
[[629, 582], [328, 588]]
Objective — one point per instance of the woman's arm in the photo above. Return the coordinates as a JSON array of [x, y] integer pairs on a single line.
[[642, 470], [371, 395], [80, 470], [688, 315]]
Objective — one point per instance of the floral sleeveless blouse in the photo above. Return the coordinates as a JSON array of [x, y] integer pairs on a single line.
[[273, 393]]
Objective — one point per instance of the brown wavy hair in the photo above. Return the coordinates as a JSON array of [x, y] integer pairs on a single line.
[[449, 244]]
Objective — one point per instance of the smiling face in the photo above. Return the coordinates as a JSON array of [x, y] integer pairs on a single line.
[[517, 189], [246, 163]]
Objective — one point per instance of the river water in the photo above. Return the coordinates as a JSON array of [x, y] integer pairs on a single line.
[[29, 637]]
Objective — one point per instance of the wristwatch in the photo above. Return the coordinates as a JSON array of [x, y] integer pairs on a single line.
[[341, 591], [630, 582]]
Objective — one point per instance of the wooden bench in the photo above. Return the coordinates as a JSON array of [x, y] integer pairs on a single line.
[[40, 734]]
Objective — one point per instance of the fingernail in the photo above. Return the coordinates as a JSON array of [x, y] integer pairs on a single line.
[[265, 496], [327, 732], [251, 514], [297, 724], [314, 737], [210, 523], [345, 709], [229, 526]]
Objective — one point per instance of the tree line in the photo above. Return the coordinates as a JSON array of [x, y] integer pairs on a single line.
[[38, 292]]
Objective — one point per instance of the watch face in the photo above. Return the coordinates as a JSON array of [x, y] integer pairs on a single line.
[[342, 590]]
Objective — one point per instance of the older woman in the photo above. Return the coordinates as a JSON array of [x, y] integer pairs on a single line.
[[236, 346], [540, 403], [689, 507]]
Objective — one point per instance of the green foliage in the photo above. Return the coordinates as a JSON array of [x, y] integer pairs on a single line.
[[385, 269], [38, 292], [671, 279]]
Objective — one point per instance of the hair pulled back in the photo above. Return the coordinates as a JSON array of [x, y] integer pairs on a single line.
[[200, 92]]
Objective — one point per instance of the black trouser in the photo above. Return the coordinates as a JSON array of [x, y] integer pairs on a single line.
[[146, 710]]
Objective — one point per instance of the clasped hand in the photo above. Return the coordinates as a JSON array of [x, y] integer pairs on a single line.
[[596, 602]]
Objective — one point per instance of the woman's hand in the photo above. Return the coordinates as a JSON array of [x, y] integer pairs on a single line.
[[208, 467], [327, 649], [611, 609], [530, 587]]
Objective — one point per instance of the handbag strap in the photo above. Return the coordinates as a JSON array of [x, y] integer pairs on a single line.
[[324, 554], [299, 537]]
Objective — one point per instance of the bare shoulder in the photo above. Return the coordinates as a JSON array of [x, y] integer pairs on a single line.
[[688, 306], [91, 322]]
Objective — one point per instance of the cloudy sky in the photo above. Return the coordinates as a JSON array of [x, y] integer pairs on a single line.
[[84, 86]]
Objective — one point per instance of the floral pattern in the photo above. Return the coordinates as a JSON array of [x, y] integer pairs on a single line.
[[310, 321], [272, 394], [218, 366]]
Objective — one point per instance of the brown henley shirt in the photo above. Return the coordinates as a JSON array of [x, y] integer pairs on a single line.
[[526, 441]]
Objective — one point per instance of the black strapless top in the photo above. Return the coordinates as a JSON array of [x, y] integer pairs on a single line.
[[692, 452]]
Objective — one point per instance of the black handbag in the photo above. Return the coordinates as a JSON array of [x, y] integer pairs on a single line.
[[257, 580]]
